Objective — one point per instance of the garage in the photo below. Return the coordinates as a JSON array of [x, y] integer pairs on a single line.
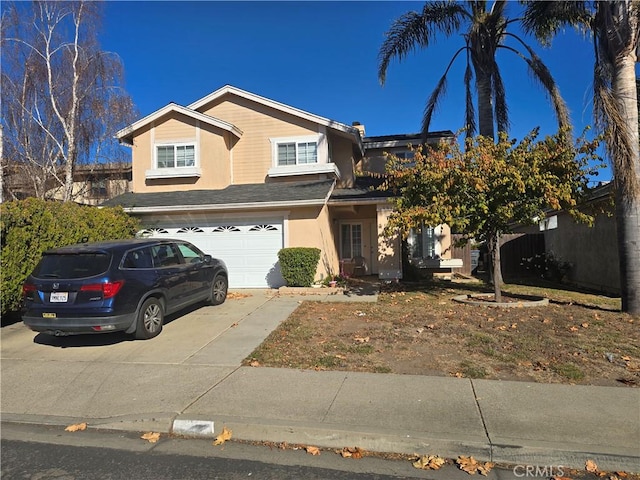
[[248, 247]]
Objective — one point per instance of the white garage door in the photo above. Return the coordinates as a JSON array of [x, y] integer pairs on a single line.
[[249, 248]]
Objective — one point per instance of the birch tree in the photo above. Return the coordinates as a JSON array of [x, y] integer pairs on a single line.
[[62, 96]]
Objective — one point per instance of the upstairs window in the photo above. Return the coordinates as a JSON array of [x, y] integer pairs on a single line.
[[297, 153], [176, 156]]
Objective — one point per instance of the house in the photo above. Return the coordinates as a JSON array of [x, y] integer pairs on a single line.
[[92, 183], [242, 176]]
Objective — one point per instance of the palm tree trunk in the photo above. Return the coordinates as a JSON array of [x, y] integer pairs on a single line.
[[627, 188], [485, 105]]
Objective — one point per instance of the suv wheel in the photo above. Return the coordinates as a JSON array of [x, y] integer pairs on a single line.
[[218, 290], [150, 319]]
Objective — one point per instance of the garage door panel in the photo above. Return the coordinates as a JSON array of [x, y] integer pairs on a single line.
[[249, 248]]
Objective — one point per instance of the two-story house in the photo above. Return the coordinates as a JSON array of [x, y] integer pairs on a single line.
[[242, 176]]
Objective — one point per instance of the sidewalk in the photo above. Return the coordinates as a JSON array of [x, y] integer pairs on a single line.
[[170, 385]]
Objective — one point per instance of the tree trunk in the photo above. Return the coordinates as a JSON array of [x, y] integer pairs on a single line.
[[485, 105], [496, 270], [627, 188]]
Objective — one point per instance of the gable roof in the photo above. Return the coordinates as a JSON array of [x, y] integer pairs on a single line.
[[345, 130], [126, 134], [259, 195]]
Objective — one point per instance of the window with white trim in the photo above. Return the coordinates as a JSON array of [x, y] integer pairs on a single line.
[[296, 153], [179, 155], [422, 242]]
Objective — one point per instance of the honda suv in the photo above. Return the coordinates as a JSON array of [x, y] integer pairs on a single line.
[[123, 285]]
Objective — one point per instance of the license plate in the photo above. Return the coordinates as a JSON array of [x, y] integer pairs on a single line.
[[48, 315], [59, 297]]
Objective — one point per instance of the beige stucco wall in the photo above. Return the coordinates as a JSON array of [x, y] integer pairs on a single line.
[[252, 155], [213, 151], [311, 227], [342, 155], [389, 249]]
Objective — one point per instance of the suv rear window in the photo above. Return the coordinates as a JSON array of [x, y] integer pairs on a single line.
[[76, 265]]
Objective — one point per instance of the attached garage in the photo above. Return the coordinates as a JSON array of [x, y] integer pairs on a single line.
[[248, 247]]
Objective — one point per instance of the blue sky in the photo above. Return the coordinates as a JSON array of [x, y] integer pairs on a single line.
[[322, 57]]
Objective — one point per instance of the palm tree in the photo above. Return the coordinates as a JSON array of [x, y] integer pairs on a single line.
[[485, 33], [615, 29]]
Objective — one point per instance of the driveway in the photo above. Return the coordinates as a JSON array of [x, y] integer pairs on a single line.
[[114, 378]]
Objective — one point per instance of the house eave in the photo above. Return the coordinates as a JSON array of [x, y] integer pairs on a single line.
[[227, 206]]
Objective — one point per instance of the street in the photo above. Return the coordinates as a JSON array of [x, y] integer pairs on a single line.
[[37, 452]]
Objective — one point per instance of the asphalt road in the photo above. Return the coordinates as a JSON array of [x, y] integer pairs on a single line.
[[36, 452]]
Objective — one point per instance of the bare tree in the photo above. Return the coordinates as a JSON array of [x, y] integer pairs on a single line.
[[62, 96]]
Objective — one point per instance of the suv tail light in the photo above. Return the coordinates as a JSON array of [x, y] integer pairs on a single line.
[[28, 288], [108, 289]]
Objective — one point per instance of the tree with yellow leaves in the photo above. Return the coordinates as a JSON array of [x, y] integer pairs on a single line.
[[483, 191]]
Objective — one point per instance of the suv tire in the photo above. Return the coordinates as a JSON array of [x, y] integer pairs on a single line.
[[150, 319]]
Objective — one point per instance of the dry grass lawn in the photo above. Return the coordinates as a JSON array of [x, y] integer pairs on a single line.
[[418, 330]]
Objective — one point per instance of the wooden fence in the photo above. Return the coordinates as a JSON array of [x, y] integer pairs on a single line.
[[514, 247]]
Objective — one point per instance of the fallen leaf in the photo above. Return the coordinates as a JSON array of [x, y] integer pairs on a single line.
[[361, 339], [223, 437], [626, 358], [76, 427], [501, 328], [590, 466], [429, 462], [584, 325], [312, 450], [472, 466], [573, 328], [341, 357], [351, 452], [151, 437], [431, 326], [234, 324], [255, 363], [514, 325]]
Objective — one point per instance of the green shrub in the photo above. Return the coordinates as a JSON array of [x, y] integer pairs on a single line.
[[29, 227], [298, 265]]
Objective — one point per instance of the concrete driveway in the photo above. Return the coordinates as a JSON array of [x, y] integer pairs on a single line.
[[111, 378]]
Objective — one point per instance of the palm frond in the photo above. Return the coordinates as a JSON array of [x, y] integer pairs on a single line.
[[501, 112], [413, 30], [545, 19], [469, 111], [437, 94], [432, 103]]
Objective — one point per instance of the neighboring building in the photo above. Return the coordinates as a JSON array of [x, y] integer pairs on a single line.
[[93, 183], [592, 252], [242, 176]]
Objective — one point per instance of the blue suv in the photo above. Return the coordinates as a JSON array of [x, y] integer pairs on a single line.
[[123, 285]]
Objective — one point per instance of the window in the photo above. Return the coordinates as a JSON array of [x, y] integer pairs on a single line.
[[351, 240], [422, 242], [189, 254], [98, 188], [176, 156], [297, 153]]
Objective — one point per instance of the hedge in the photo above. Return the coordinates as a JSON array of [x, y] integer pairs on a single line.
[[298, 265], [29, 227]]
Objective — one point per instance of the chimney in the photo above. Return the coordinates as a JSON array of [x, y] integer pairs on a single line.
[[360, 128]]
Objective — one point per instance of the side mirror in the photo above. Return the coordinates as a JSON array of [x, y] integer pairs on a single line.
[[208, 258]]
